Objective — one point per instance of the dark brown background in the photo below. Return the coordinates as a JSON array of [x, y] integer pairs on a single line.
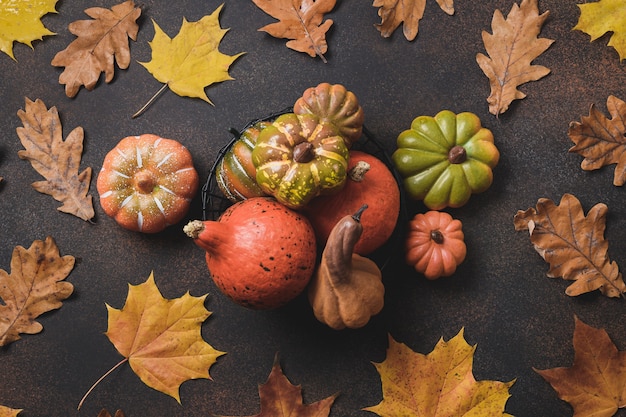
[[517, 317]]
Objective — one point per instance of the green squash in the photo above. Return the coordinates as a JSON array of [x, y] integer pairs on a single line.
[[298, 157], [445, 159]]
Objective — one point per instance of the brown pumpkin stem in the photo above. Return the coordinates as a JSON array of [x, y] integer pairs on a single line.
[[144, 182], [357, 173], [357, 216], [457, 155], [436, 236], [303, 152]]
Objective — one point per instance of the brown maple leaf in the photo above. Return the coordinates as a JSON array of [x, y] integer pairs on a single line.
[[300, 21], [57, 160], [35, 286], [602, 141], [279, 397], [595, 385], [573, 244], [392, 13], [161, 339], [105, 413], [512, 47], [100, 42]]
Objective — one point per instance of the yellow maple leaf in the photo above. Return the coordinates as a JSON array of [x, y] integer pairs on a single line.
[[8, 412], [161, 338], [20, 22], [438, 384], [191, 61], [604, 16]]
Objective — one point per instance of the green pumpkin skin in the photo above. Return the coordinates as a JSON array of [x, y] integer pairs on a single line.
[[445, 159], [293, 179]]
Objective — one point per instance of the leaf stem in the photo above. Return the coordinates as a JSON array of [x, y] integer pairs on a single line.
[[152, 100], [82, 400]]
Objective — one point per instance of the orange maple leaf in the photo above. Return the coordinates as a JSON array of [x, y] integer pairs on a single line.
[[512, 47], [440, 383], [573, 244], [300, 21], [161, 339], [595, 385], [602, 141], [35, 286], [392, 13], [100, 42], [279, 397]]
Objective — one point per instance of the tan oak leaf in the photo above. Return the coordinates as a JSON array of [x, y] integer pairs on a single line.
[[407, 13]]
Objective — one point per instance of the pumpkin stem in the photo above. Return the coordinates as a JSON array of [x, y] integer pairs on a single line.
[[144, 182], [457, 155], [303, 152], [357, 216], [436, 236], [357, 173]]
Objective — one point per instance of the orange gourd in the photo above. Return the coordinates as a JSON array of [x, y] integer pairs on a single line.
[[147, 183], [435, 244], [369, 182]]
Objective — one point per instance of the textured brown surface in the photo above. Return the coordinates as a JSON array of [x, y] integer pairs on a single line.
[[518, 317]]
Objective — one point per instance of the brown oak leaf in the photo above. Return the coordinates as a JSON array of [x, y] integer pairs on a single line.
[[99, 43], [300, 21], [595, 385], [279, 397], [573, 244], [392, 13], [57, 160], [512, 47], [602, 141], [35, 286], [105, 413]]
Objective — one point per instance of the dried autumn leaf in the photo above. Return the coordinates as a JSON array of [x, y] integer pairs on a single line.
[[300, 21], [602, 141], [600, 17], [573, 245], [191, 60], [105, 413], [100, 43], [35, 286], [438, 384], [595, 385], [161, 338], [392, 13], [8, 412], [57, 160], [20, 22], [512, 47], [279, 397]]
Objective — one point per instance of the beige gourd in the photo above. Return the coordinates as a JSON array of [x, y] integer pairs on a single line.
[[347, 289]]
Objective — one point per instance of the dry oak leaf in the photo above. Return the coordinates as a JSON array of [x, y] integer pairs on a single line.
[[573, 244], [438, 384], [392, 13], [57, 160], [512, 47], [600, 17], [602, 141], [8, 412], [20, 21], [161, 338], [35, 286], [191, 61], [595, 385], [280, 398], [300, 21], [105, 413], [99, 43]]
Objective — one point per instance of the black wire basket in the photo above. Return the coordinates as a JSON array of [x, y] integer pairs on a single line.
[[214, 202]]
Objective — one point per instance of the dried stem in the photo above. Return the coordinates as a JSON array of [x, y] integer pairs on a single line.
[[82, 400], [152, 100], [308, 35]]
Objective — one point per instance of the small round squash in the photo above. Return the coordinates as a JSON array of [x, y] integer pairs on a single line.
[[435, 244], [147, 183]]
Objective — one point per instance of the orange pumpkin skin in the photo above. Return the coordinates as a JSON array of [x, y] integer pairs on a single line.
[[378, 189], [435, 244], [147, 183]]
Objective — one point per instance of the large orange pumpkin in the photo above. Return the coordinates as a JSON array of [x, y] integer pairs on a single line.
[[147, 183]]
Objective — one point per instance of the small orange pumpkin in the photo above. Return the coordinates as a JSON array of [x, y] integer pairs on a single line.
[[147, 183], [435, 244]]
